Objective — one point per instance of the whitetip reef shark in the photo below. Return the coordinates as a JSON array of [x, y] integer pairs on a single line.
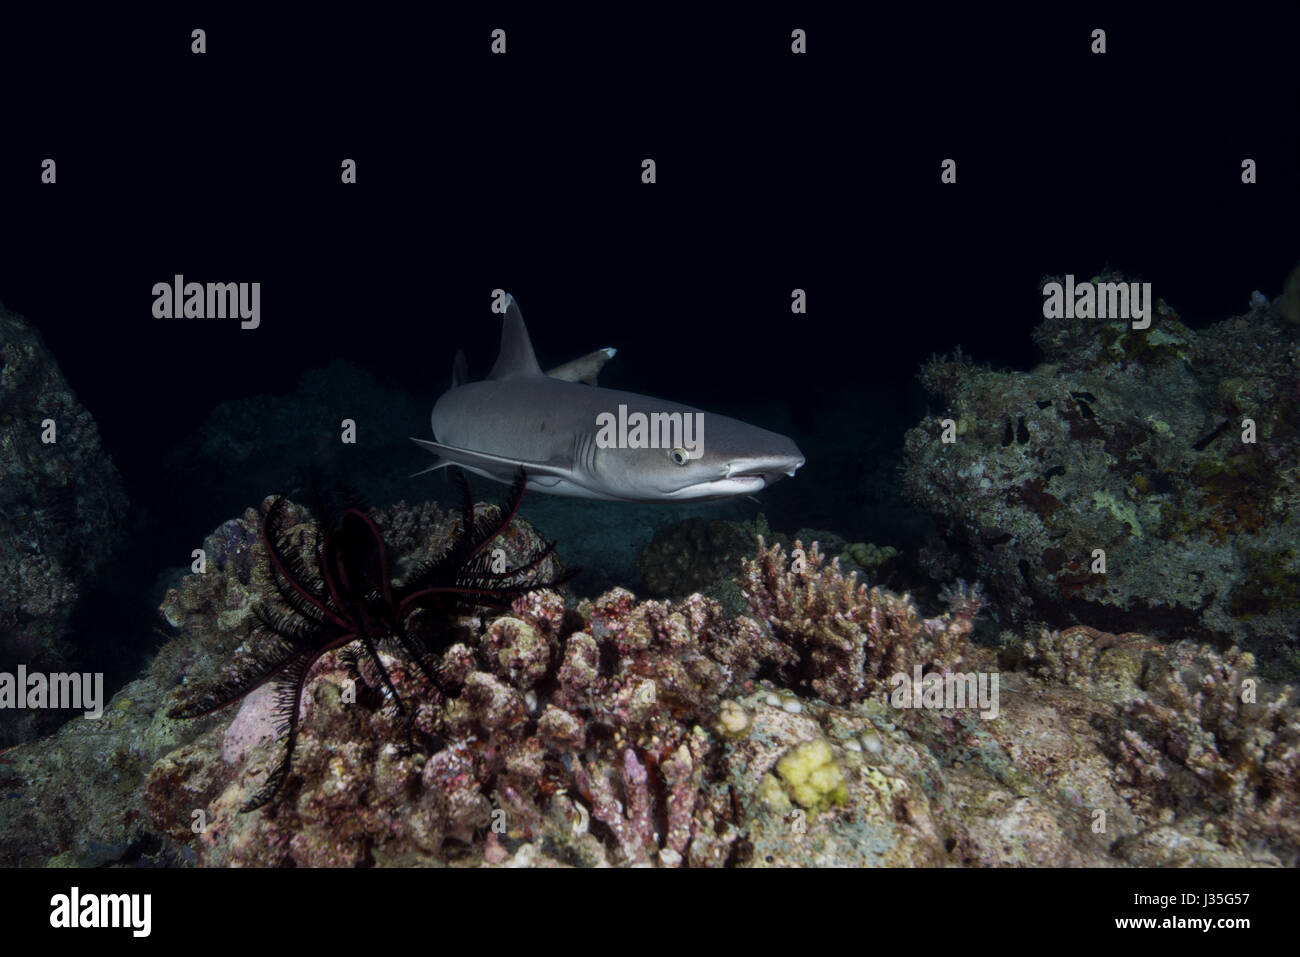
[[559, 431]]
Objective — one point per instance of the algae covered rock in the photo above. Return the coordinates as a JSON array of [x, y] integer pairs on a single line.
[[690, 555], [1138, 480], [61, 507]]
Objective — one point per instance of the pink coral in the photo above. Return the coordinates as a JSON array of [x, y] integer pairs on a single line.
[[850, 638]]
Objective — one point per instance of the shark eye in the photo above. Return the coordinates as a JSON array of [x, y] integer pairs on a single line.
[[679, 456]]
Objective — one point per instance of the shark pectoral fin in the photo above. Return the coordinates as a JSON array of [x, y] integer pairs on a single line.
[[452, 455], [439, 461]]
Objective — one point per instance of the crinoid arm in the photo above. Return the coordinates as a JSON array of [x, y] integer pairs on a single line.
[[464, 576], [289, 686], [338, 592], [268, 654]]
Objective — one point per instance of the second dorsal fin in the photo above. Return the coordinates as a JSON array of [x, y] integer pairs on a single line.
[[459, 369]]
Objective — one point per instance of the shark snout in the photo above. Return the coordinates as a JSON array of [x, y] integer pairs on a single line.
[[768, 467]]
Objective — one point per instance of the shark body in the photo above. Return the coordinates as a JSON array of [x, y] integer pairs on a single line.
[[552, 427]]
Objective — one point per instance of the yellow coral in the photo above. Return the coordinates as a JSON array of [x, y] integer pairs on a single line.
[[811, 776], [771, 793]]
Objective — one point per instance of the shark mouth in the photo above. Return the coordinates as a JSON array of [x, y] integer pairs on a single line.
[[767, 471], [725, 486]]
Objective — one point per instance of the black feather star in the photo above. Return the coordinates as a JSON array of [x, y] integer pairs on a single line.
[[342, 591]]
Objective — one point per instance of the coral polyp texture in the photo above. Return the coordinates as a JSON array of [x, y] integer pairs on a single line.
[[1173, 453]]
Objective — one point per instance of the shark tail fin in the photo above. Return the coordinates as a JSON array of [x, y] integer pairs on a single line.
[[459, 369]]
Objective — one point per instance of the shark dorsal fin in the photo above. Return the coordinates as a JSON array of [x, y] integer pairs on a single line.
[[516, 357], [459, 369], [585, 368]]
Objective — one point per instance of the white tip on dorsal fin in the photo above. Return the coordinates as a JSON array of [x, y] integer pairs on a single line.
[[516, 357], [459, 369]]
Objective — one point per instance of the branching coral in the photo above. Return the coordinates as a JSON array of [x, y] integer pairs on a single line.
[[850, 639], [1073, 655], [1200, 740], [621, 725]]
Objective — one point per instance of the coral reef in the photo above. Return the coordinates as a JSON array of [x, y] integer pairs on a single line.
[[850, 639], [1224, 745], [690, 555], [491, 758], [61, 507], [626, 693], [333, 580], [616, 731], [1128, 443]]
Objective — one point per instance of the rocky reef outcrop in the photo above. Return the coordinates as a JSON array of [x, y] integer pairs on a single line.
[[61, 508], [1138, 480]]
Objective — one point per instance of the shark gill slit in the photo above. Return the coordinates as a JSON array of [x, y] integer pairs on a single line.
[[587, 451]]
